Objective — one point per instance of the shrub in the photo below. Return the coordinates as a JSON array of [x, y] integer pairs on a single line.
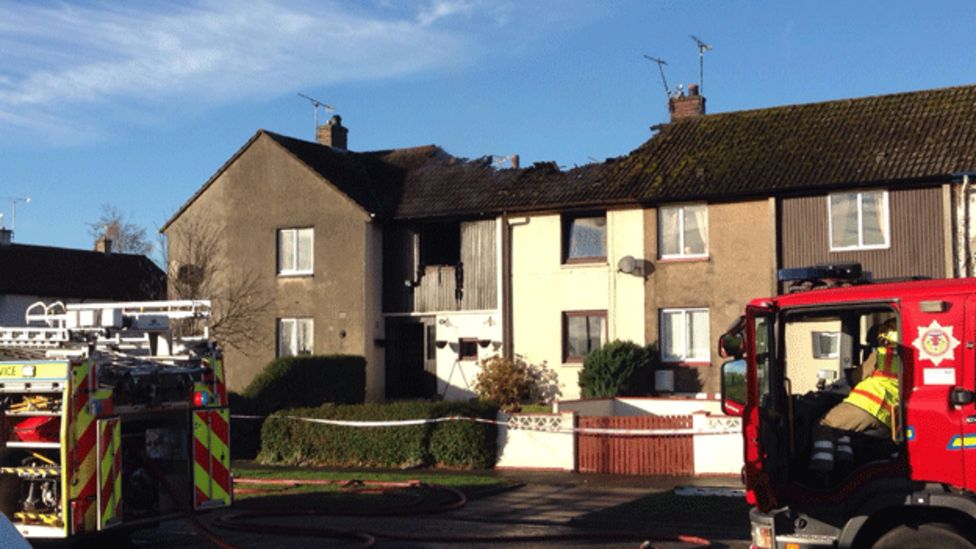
[[620, 368], [453, 444], [508, 383], [295, 381]]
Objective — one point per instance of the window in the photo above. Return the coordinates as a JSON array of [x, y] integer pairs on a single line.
[[826, 344], [295, 336], [440, 244], [583, 332], [295, 251], [468, 349], [683, 231], [585, 238], [684, 335], [858, 221]]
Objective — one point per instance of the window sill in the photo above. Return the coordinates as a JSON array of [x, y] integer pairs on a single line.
[[860, 249], [296, 274], [595, 260], [573, 362], [681, 259]]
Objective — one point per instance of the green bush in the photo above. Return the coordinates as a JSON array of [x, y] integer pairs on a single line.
[[620, 368], [295, 381], [459, 444]]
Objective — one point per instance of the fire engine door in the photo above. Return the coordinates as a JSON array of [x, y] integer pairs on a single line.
[[937, 340], [211, 458], [109, 472]]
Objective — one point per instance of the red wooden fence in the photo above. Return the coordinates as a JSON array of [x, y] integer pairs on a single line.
[[635, 454]]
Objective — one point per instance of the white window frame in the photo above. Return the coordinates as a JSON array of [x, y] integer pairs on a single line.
[[886, 230], [681, 232], [818, 338], [292, 324], [293, 269], [684, 344]]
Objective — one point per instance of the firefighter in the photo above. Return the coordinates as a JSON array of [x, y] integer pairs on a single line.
[[868, 406]]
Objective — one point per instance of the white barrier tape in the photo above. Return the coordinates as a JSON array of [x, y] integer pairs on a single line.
[[562, 430]]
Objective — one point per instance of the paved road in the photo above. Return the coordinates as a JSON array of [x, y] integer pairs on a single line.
[[548, 510]]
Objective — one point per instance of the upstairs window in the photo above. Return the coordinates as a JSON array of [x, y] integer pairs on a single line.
[[585, 238], [683, 231], [295, 251], [296, 336], [440, 244], [858, 221], [684, 335]]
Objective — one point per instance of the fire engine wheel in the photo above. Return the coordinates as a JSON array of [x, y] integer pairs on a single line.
[[924, 536]]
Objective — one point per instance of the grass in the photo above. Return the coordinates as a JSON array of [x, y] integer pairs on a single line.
[[334, 497]]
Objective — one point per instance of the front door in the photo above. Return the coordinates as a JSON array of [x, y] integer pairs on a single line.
[[407, 374]]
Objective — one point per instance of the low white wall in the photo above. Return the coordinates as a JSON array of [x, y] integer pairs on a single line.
[[718, 454], [675, 406], [536, 441]]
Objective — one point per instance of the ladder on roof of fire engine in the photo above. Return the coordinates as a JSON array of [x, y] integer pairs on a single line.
[[61, 320]]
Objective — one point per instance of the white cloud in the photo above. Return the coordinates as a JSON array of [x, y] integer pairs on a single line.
[[61, 58]]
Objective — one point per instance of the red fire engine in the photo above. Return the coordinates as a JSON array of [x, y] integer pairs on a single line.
[[111, 418], [799, 354]]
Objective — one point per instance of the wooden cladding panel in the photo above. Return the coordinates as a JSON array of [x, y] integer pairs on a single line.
[[636, 454], [917, 235], [436, 287]]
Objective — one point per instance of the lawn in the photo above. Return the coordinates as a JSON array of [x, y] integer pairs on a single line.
[[338, 490]]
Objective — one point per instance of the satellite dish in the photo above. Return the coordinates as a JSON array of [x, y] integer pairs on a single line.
[[627, 264]]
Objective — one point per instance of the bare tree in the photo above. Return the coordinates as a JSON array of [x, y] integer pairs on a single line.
[[127, 237], [196, 272]]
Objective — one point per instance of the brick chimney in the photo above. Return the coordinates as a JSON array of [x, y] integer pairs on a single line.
[[104, 245], [6, 236], [687, 106], [332, 133]]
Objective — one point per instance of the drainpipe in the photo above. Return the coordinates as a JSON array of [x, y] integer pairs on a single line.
[[508, 308], [968, 261]]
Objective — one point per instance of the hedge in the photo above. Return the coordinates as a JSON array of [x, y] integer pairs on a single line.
[[456, 444], [296, 381], [289, 382]]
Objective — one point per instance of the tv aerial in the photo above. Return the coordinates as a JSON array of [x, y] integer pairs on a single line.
[[316, 105], [660, 66], [13, 207], [702, 48]]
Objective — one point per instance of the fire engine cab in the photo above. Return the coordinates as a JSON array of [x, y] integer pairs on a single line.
[[797, 355], [112, 417]]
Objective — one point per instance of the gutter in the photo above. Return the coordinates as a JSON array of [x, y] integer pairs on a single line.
[[964, 231]]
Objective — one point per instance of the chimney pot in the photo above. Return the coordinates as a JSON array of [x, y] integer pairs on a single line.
[[515, 161], [333, 133]]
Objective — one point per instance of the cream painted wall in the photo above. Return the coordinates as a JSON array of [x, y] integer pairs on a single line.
[[543, 288]]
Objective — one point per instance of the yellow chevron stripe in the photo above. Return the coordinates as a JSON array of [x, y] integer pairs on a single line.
[[31, 471], [108, 473], [50, 519]]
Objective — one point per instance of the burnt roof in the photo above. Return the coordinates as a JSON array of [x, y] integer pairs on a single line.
[[925, 136], [78, 274]]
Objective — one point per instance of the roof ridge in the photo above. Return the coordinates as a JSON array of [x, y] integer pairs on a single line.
[[859, 99]]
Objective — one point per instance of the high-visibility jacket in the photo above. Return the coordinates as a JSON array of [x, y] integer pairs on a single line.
[[878, 394]]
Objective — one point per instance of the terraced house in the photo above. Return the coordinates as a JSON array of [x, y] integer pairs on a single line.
[[426, 263]]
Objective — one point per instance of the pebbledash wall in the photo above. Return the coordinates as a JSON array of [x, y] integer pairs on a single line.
[[544, 288], [341, 295]]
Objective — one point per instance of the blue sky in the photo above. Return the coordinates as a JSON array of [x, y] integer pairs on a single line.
[[136, 104]]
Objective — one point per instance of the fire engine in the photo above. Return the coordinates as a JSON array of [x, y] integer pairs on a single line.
[[113, 417], [799, 354]]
